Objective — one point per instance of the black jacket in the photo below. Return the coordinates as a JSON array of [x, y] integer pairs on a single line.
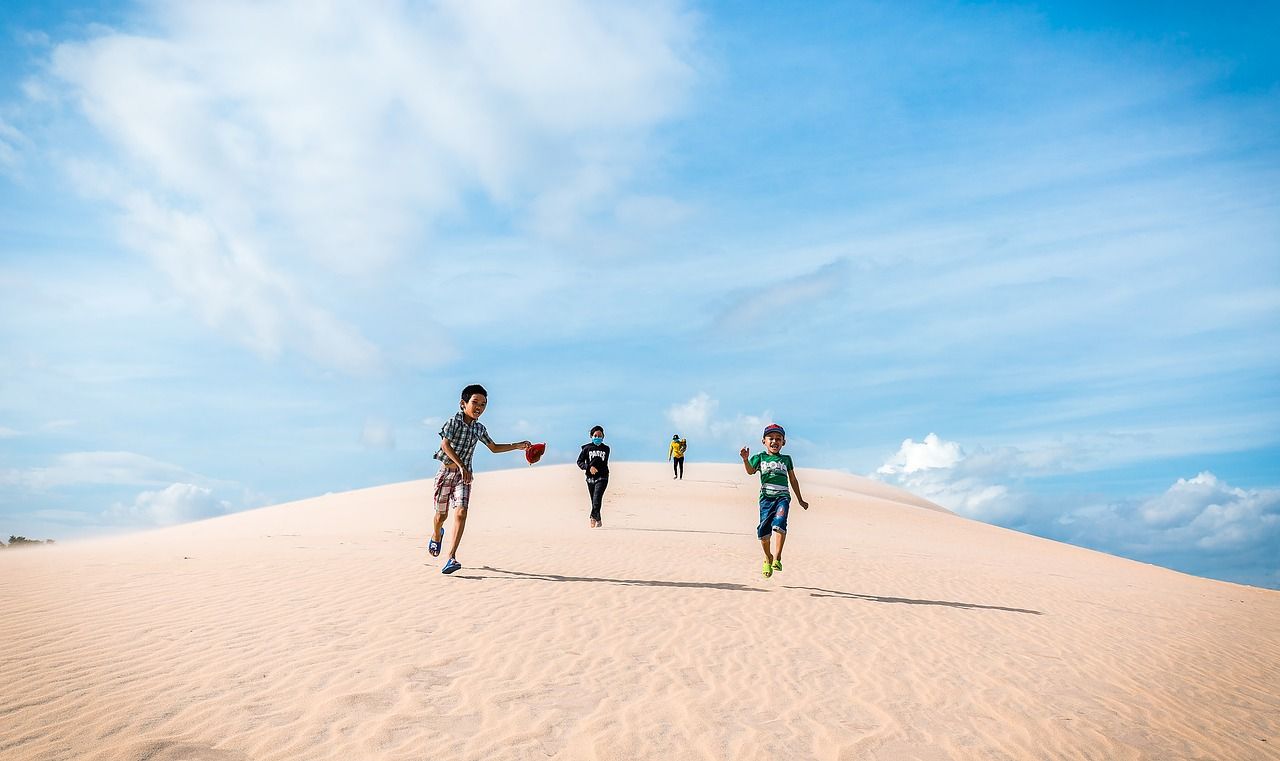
[[597, 455]]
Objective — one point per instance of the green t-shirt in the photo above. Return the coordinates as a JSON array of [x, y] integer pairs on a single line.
[[774, 469]]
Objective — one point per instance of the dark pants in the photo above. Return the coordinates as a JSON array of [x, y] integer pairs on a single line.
[[596, 490], [677, 466]]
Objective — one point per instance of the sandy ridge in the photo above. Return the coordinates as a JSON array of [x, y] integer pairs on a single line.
[[319, 629]]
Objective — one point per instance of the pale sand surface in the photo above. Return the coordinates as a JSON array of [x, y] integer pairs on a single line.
[[321, 630]]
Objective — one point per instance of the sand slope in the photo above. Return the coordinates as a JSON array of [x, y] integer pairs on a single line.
[[321, 630]]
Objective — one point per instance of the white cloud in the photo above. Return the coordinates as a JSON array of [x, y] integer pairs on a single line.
[[1188, 526], [1184, 500], [928, 454], [1211, 515], [694, 416], [378, 434], [232, 287], [104, 468], [267, 153], [746, 429], [176, 503], [940, 471], [697, 418], [9, 433], [1200, 525]]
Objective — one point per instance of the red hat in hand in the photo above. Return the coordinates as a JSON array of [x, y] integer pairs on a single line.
[[534, 452]]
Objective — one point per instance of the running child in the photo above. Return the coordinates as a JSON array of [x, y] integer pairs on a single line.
[[776, 473], [458, 439]]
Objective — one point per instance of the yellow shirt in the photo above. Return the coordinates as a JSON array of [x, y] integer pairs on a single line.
[[678, 447]]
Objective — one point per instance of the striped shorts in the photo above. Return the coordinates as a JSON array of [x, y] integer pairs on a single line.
[[451, 491]]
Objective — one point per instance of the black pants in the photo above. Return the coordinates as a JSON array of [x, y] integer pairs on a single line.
[[596, 490], [677, 466]]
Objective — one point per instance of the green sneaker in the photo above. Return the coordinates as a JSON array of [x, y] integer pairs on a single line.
[[777, 565], [768, 569]]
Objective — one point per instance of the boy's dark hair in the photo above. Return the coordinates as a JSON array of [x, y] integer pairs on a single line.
[[597, 428], [473, 389]]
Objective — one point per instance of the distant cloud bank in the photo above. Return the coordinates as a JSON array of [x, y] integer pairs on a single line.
[[1197, 523]]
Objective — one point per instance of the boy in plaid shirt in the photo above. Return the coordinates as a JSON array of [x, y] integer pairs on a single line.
[[458, 439]]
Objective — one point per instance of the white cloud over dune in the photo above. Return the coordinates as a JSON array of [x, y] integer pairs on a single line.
[[941, 471], [913, 457], [176, 503], [1221, 517], [697, 417], [1202, 514], [1216, 515], [693, 416], [1193, 522]]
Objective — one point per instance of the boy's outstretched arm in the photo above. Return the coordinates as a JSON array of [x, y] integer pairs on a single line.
[[746, 463], [795, 487], [498, 448]]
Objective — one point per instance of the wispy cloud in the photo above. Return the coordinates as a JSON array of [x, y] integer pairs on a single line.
[[103, 468], [783, 292], [12, 141], [261, 150]]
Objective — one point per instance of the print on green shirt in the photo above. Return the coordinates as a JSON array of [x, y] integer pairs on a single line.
[[773, 473]]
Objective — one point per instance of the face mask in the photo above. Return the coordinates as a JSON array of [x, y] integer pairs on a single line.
[[597, 439]]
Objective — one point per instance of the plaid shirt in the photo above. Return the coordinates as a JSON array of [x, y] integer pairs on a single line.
[[463, 437]]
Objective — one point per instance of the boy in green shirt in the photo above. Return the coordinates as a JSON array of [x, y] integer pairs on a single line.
[[776, 473]]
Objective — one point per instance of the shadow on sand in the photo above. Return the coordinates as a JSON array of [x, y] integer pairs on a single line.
[[685, 531], [727, 586], [818, 592], [625, 582]]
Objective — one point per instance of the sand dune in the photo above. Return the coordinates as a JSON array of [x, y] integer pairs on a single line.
[[321, 630]]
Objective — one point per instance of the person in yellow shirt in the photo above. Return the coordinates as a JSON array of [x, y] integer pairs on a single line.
[[675, 453]]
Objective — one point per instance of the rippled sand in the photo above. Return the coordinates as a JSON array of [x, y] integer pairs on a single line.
[[322, 630]]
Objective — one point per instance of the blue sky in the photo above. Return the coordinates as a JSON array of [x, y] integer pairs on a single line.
[[1021, 259]]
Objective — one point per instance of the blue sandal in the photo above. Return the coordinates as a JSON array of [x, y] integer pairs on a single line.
[[450, 566], [433, 547]]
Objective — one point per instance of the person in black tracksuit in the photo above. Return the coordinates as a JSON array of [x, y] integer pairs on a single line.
[[594, 459]]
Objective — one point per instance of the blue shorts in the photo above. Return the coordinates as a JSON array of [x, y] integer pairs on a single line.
[[773, 514]]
